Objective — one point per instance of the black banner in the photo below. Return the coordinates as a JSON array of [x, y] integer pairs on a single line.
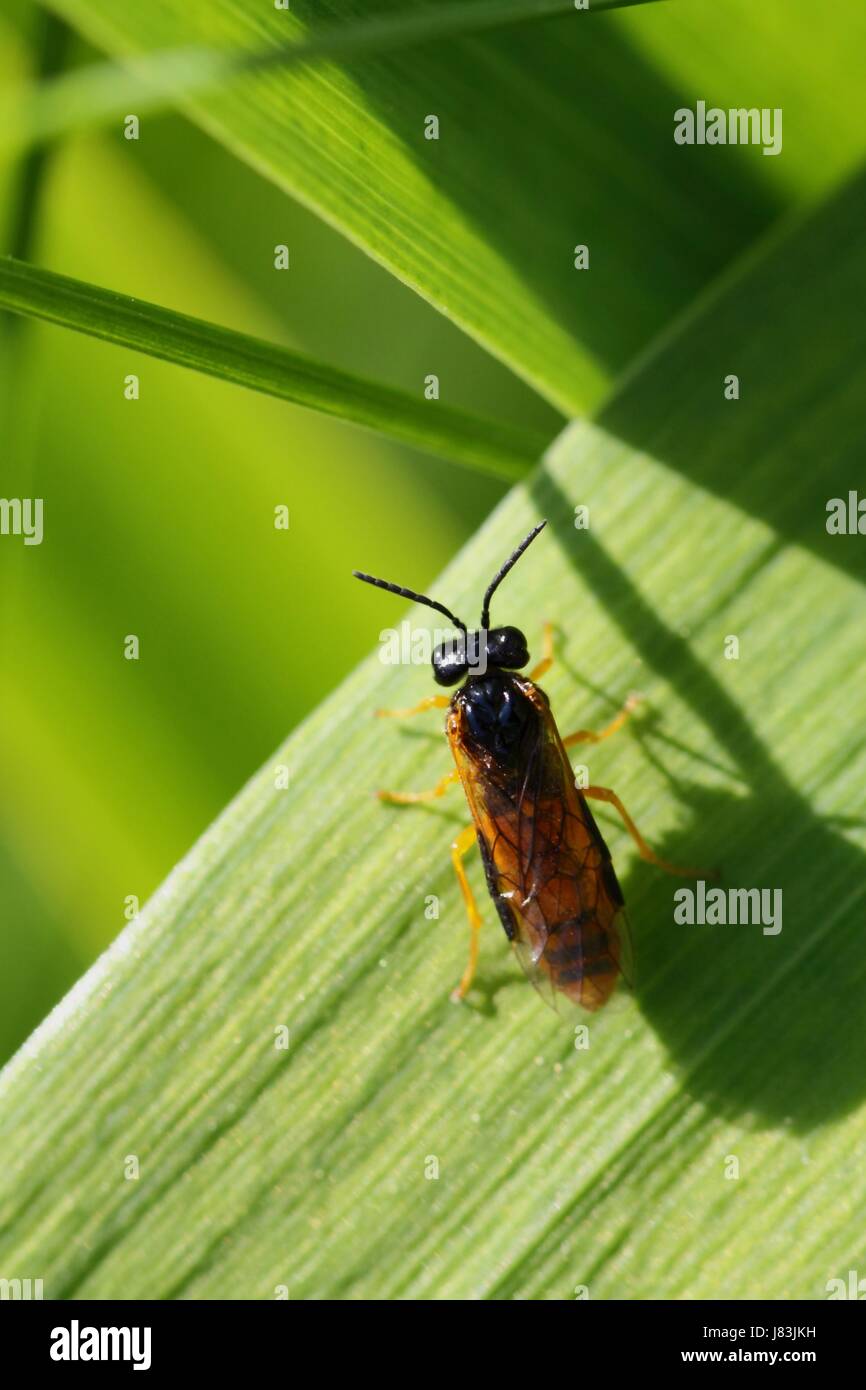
[[220, 1338]]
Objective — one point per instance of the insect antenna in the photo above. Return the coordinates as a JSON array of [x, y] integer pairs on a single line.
[[511, 561], [410, 594]]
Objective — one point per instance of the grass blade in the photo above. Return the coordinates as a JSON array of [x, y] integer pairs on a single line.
[[500, 450], [305, 907], [101, 92], [455, 218]]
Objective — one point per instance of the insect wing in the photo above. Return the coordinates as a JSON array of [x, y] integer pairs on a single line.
[[548, 869]]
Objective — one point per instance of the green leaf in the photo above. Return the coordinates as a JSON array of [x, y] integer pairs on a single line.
[[501, 450], [304, 908], [102, 91], [552, 135]]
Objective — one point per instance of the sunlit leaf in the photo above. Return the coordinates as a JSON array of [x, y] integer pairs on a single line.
[[552, 135], [307, 908]]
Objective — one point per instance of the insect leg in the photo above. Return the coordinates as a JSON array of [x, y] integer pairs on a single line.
[[589, 736], [605, 794], [430, 795], [546, 654], [429, 702], [460, 847]]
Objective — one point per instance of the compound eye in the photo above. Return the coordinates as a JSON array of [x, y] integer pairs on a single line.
[[449, 663], [506, 646]]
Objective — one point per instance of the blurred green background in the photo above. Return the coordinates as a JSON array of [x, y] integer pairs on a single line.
[[111, 769]]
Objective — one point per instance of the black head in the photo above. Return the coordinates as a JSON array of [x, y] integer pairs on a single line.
[[471, 652]]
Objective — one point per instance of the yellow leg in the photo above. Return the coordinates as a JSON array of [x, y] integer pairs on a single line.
[[546, 654], [589, 736], [605, 794], [460, 847], [430, 795], [429, 702]]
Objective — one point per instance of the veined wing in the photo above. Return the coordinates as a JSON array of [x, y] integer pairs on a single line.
[[548, 868]]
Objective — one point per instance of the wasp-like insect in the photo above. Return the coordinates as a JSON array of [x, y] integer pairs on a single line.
[[548, 869]]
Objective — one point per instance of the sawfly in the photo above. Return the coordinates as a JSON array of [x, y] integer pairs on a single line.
[[548, 869]]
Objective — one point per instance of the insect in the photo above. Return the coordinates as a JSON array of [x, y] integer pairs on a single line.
[[548, 870]]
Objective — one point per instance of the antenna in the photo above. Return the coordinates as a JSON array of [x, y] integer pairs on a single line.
[[509, 563], [409, 593]]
